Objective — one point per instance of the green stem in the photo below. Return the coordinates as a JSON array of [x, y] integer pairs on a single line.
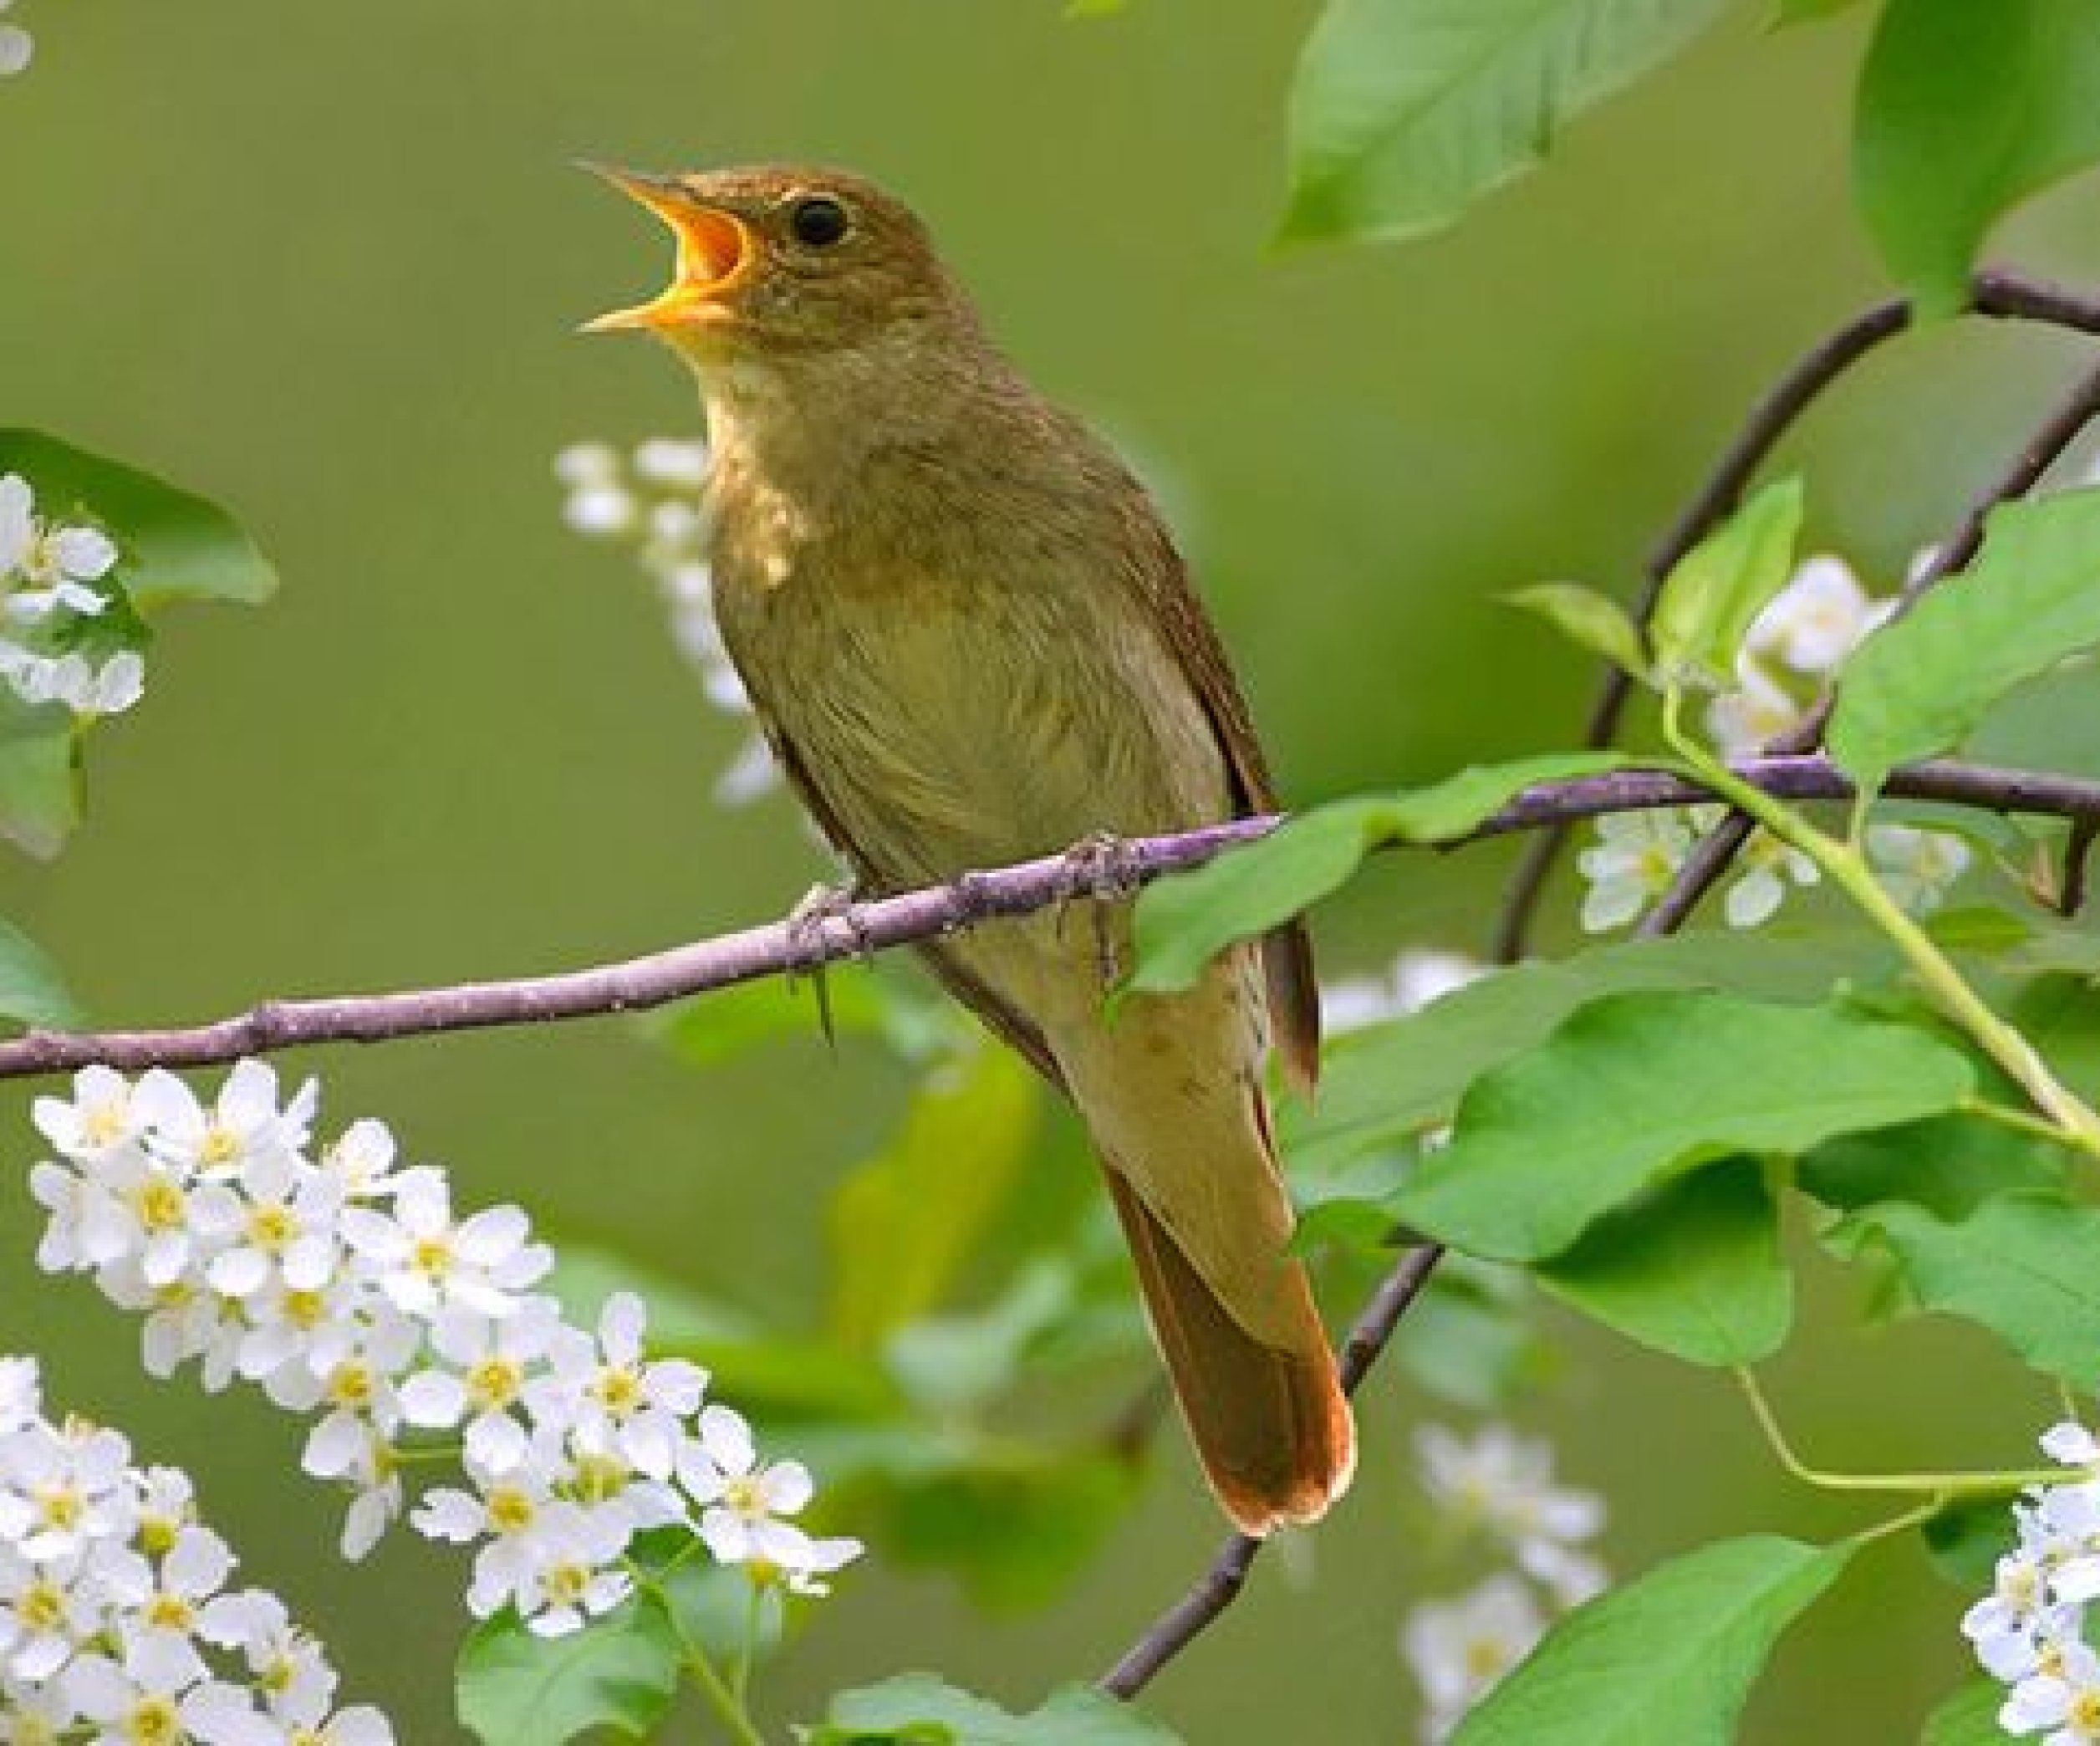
[[1938, 1488], [2017, 1119], [740, 1670], [1848, 868], [727, 1703]]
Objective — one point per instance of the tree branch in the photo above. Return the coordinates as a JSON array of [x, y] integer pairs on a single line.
[[1998, 293], [659, 978]]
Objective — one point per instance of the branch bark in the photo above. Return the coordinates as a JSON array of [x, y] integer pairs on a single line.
[[782, 947]]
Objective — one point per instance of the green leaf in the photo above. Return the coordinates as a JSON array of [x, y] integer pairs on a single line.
[[1592, 620], [904, 1222], [2031, 599], [1184, 920], [619, 1671], [1964, 111], [1692, 1268], [2058, 952], [1383, 1085], [1967, 1539], [1467, 1341], [1708, 600], [173, 545], [1635, 1085], [1405, 111], [31, 990], [1950, 1165], [730, 1022], [39, 775], [1668, 1661], [1809, 12], [2025, 1265], [1969, 1717], [921, 1709], [951, 1364]]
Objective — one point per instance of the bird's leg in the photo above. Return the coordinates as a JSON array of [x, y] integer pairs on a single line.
[[820, 905], [1103, 868]]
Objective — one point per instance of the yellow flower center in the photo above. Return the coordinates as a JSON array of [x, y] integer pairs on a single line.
[[600, 1475], [349, 1384], [41, 1606], [221, 1145], [619, 1390], [104, 1124], [154, 1722], [510, 1510], [160, 1204], [494, 1382], [171, 1612], [157, 1533], [565, 1583], [2085, 1713], [271, 1227], [742, 1496], [305, 1310], [60, 1506], [433, 1255], [1485, 1657]]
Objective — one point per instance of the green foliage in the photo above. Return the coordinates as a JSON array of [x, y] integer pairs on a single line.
[[904, 1222], [1948, 1165], [2031, 600], [1184, 920], [1964, 111], [1966, 1540], [2025, 1265], [619, 1673], [1591, 620], [1385, 1084], [31, 990], [1667, 1661], [174, 546], [1405, 111], [1969, 1717], [1709, 598], [920, 1709], [730, 1022], [1810, 11], [1634, 1087], [1692, 1270], [1468, 1339]]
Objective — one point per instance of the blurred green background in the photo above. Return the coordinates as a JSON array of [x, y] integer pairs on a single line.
[[323, 263]]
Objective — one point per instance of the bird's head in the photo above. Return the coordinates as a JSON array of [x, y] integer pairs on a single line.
[[778, 261]]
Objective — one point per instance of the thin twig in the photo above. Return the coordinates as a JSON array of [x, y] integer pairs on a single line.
[[659, 978], [1997, 293], [1219, 1586], [1709, 859]]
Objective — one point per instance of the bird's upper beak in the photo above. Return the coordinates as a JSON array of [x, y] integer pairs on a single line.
[[715, 251]]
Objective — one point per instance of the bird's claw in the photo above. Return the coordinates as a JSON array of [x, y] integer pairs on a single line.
[[811, 953], [1103, 868]]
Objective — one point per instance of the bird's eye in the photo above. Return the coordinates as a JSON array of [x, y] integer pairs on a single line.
[[817, 220]]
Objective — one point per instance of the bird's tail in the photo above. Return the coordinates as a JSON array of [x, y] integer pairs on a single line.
[[1268, 1419]]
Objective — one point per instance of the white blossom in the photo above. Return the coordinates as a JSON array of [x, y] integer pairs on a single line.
[[1459, 1650], [1815, 621], [1502, 1484], [1636, 857], [17, 46], [741, 1498], [1766, 865], [48, 573], [1916, 868]]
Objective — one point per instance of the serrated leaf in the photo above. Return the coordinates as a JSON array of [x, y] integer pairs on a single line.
[[2031, 599], [1667, 1661], [1969, 1717], [31, 990], [1592, 620], [1709, 597], [1184, 920], [921, 1709], [1692, 1270], [1635, 1085], [619, 1671], [1381, 1086], [903, 1223], [175, 545], [2024, 1265], [1964, 111], [1404, 111]]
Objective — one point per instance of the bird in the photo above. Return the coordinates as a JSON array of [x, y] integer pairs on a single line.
[[969, 639]]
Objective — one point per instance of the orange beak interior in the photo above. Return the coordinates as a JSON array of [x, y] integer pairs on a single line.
[[714, 250]]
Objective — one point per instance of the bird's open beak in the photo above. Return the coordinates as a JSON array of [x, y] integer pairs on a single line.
[[714, 249]]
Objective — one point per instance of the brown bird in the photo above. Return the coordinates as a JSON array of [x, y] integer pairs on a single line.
[[971, 640]]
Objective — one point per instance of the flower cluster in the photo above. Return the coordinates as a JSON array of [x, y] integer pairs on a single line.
[[1498, 1487], [47, 571], [2030, 1632], [650, 500], [115, 1619], [1794, 647], [17, 45], [346, 1286]]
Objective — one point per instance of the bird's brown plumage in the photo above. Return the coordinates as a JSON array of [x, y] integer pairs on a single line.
[[971, 640]]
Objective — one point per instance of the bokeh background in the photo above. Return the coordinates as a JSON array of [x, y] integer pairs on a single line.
[[323, 263]]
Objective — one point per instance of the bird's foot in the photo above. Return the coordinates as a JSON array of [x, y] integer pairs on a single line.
[[1103, 868], [811, 951]]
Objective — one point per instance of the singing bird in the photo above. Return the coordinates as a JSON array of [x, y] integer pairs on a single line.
[[971, 640]]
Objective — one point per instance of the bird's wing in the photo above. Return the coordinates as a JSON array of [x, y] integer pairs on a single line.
[[1005, 1021], [1287, 951]]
